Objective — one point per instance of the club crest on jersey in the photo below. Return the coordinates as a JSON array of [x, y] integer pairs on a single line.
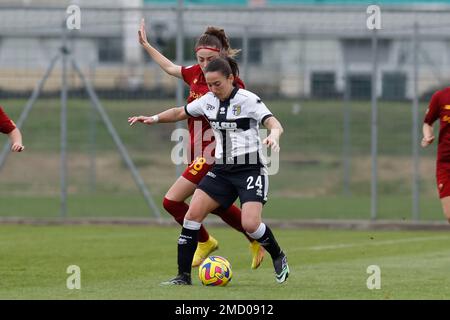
[[236, 110]]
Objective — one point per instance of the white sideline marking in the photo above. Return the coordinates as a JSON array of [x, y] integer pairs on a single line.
[[377, 243]]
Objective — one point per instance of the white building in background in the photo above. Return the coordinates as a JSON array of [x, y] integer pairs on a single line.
[[297, 51]]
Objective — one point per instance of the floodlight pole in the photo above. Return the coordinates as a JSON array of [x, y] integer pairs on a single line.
[[415, 129], [374, 136], [245, 53], [179, 59], [63, 164], [346, 143]]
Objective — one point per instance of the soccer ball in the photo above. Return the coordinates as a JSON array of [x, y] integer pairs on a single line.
[[215, 271]]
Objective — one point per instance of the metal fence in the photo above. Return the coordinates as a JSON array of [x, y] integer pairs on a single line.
[[351, 101]]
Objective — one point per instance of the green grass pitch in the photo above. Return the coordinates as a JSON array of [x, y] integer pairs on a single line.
[[129, 262]]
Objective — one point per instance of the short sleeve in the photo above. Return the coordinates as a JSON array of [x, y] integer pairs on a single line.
[[196, 107], [432, 113], [6, 125], [260, 111], [189, 73]]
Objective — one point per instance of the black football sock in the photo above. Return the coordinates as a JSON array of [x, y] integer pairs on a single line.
[[187, 244], [266, 238]]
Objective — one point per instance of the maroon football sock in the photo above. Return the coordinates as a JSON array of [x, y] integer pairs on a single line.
[[178, 210], [233, 217]]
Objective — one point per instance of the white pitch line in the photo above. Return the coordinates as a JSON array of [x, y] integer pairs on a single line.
[[377, 243]]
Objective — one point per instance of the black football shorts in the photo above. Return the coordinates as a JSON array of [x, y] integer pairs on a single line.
[[225, 183]]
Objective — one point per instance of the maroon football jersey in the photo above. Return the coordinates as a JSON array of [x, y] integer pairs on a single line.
[[439, 108], [6, 125]]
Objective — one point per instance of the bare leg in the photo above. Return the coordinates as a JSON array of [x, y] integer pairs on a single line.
[[446, 207]]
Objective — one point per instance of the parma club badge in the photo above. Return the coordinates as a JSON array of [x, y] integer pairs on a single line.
[[236, 110]]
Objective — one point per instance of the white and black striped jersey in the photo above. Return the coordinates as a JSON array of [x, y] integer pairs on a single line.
[[235, 123]]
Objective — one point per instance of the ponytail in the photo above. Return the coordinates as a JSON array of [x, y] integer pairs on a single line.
[[216, 38]]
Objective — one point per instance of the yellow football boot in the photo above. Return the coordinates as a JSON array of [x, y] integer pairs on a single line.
[[258, 253], [204, 249]]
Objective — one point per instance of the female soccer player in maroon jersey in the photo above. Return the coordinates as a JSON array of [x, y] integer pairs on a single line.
[[8, 127], [211, 44], [439, 108]]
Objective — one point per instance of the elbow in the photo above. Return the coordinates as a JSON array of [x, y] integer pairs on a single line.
[[171, 69], [14, 133], [179, 114]]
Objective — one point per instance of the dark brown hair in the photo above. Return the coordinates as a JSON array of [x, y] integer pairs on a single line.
[[215, 37], [226, 66]]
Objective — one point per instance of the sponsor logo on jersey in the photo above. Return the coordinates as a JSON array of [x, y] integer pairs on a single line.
[[222, 110], [212, 175], [194, 95], [446, 119], [223, 125], [236, 110], [447, 107]]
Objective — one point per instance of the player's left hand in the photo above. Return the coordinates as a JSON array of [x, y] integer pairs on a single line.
[[272, 143]]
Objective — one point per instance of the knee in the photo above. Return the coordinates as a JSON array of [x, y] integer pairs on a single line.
[[168, 204], [193, 215], [447, 214], [250, 226]]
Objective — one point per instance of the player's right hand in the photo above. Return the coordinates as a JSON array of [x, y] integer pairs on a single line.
[[142, 35], [426, 141], [17, 147]]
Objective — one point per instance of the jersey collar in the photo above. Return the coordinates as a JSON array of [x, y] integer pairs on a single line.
[[233, 93]]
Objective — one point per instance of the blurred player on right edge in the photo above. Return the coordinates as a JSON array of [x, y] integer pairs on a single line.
[[439, 108]]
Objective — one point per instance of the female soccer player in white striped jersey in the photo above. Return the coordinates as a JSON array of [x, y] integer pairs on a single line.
[[210, 45], [234, 115]]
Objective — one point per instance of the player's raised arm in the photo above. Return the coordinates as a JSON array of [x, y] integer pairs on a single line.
[[171, 115], [165, 64], [276, 129]]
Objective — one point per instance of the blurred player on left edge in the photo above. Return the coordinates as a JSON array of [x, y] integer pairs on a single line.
[[8, 127]]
